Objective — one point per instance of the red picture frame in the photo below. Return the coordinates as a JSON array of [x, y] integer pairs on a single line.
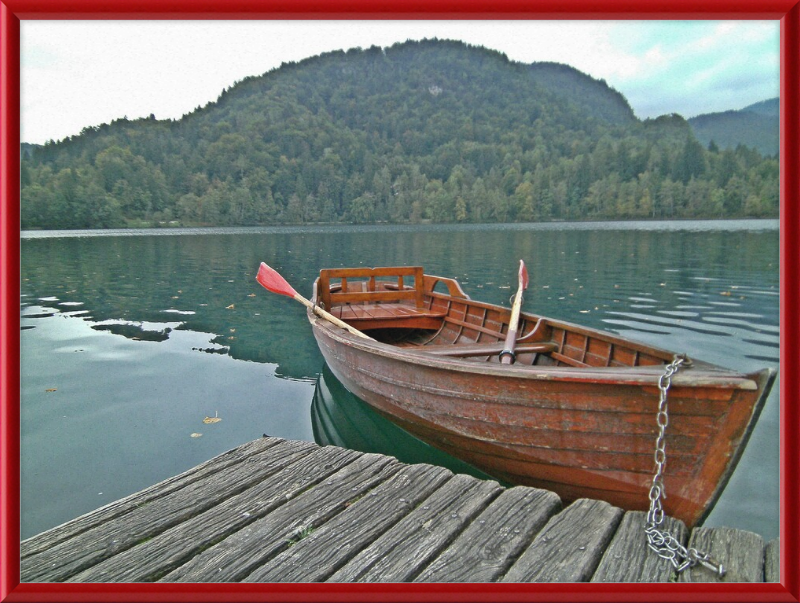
[[13, 11]]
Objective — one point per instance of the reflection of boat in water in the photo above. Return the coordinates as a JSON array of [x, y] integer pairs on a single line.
[[575, 411], [339, 418]]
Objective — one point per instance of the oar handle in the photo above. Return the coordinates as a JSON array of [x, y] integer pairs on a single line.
[[508, 356]]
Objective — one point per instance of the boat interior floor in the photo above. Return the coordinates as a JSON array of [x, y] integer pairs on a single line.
[[388, 315], [542, 343]]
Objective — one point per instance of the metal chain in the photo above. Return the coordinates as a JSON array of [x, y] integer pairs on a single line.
[[661, 541]]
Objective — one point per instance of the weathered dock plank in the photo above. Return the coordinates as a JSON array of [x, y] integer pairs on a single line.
[[156, 515], [167, 551], [403, 551], [628, 558], [570, 546], [317, 557], [741, 552], [772, 565], [48, 539], [234, 558], [487, 548], [275, 510]]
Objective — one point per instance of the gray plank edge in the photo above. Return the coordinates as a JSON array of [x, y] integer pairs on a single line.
[[406, 549], [49, 538], [156, 515], [232, 559], [156, 557], [570, 546], [772, 561], [628, 557], [741, 552], [495, 538], [315, 558]]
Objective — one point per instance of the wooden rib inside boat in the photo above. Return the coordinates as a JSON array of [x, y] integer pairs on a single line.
[[575, 413]]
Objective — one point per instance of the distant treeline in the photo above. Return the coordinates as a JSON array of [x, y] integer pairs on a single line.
[[420, 131]]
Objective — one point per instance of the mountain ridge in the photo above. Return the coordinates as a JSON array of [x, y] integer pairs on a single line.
[[756, 126], [436, 130]]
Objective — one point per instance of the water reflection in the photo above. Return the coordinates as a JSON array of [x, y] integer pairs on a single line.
[[112, 407], [171, 325], [341, 419]]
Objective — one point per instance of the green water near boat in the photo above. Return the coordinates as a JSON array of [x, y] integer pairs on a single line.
[[130, 339]]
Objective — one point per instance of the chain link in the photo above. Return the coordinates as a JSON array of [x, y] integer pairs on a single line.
[[661, 541]]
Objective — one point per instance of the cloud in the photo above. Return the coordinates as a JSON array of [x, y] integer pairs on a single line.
[[697, 67], [84, 73]]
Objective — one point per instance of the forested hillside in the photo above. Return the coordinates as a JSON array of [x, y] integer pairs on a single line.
[[432, 130], [755, 126]]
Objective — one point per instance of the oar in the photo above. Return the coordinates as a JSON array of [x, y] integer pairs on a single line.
[[272, 281], [507, 356]]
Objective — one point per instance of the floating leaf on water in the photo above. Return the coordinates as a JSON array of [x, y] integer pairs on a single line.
[[197, 435], [214, 419]]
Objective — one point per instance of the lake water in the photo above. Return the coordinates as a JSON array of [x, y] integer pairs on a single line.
[[130, 339]]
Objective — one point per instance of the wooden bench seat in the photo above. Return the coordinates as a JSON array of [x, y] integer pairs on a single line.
[[388, 315]]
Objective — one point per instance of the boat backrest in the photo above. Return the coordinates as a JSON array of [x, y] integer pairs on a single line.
[[372, 285], [453, 288]]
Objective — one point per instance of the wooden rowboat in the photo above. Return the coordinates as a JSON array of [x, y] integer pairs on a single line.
[[575, 413]]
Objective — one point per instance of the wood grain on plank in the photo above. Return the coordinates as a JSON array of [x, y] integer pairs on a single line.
[[158, 556], [88, 548], [242, 552], [741, 552], [328, 548], [49, 538], [772, 561], [495, 538], [403, 551], [628, 557], [570, 546]]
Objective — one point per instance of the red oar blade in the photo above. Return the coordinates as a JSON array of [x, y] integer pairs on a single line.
[[523, 274], [272, 281]]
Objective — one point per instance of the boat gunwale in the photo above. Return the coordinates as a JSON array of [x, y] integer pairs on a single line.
[[702, 374]]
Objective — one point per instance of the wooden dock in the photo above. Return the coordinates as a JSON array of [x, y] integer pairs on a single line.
[[275, 510]]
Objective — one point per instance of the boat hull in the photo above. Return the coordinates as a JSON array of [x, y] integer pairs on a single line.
[[581, 434]]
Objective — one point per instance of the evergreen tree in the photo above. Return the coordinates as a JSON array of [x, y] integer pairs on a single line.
[[427, 130]]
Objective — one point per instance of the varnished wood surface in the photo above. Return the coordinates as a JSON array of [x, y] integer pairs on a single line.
[[275, 510], [574, 414]]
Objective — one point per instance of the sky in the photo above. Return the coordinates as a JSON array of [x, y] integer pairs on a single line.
[[77, 74]]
